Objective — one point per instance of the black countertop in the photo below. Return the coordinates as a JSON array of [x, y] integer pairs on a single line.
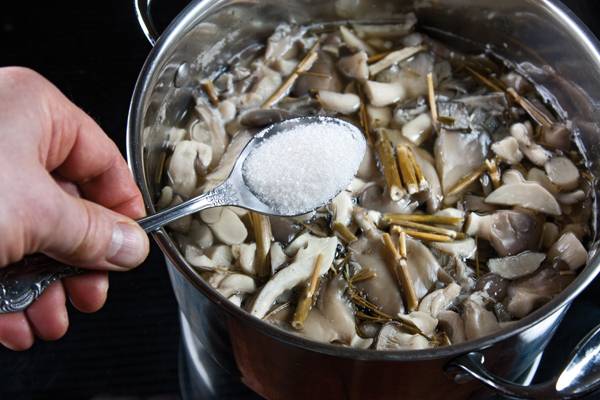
[[93, 52]]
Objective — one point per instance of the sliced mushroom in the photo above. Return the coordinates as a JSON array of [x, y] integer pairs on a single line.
[[465, 248], [379, 117], [562, 172], [341, 208], [478, 320], [557, 136], [530, 293], [222, 170], [419, 129], [529, 195], [236, 284], [452, 323], [229, 229], [343, 103], [508, 150], [434, 192], [218, 137], [215, 257], [516, 266], [571, 198], [297, 272], [354, 66], [512, 176], [166, 197], [211, 215], [569, 250], [244, 253], [383, 94], [392, 336], [277, 256], [182, 167], [200, 235], [439, 300], [337, 309], [509, 232], [354, 42], [456, 156]]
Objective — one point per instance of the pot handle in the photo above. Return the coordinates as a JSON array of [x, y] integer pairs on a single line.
[[580, 376], [142, 12]]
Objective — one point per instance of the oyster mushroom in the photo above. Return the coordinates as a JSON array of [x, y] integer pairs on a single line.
[[182, 167], [354, 42], [533, 151], [281, 41], [341, 208], [219, 256], [463, 274], [465, 248], [267, 83], [166, 197], [516, 266], [222, 170], [571, 198], [244, 254], [354, 66], [373, 198], [259, 117], [569, 250], [337, 309], [343, 103], [439, 300], [478, 320], [392, 336], [562, 172], [211, 215], [509, 232], [512, 176], [457, 155], [550, 235], [529, 195], [297, 272], [383, 94], [236, 284], [493, 285], [557, 135], [317, 327], [539, 176], [227, 110], [452, 323], [325, 77], [200, 235], [422, 267], [529, 293], [229, 228], [379, 117], [508, 150], [418, 129], [173, 136], [434, 192], [277, 256], [218, 139]]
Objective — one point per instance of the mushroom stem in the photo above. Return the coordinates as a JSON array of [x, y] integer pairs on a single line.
[[262, 234], [304, 65], [426, 228], [306, 301], [425, 218], [390, 169], [345, 234], [431, 97], [406, 167], [399, 269], [211, 91]]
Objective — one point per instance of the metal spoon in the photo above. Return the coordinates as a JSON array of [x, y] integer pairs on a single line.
[[22, 283]]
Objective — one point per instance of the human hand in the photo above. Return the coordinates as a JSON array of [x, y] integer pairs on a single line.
[[66, 192]]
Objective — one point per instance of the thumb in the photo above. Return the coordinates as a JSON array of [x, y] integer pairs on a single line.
[[88, 235]]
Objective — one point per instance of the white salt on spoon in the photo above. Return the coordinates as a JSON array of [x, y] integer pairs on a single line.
[[287, 169]]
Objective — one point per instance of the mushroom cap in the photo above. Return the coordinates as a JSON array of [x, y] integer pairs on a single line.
[[516, 266], [562, 172], [529, 195]]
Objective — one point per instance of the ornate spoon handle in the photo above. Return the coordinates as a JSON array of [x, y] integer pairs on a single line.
[[25, 281]]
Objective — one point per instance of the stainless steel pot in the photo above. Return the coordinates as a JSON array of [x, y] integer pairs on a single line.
[[541, 37]]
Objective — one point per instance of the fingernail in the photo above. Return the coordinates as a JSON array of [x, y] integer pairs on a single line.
[[128, 247]]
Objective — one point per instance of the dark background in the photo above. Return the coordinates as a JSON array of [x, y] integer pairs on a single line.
[[93, 51]]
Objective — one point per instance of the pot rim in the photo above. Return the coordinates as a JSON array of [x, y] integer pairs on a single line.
[[145, 81]]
